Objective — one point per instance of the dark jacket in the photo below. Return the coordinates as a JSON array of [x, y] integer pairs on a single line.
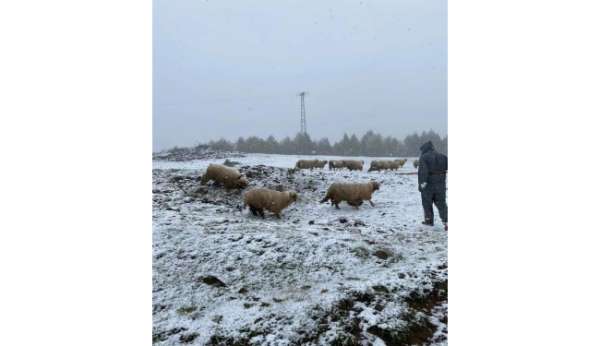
[[432, 166]]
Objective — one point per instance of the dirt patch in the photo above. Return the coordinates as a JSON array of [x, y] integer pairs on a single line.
[[418, 331], [429, 299]]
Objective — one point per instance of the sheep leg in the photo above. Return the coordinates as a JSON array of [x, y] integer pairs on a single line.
[[372, 204], [261, 212], [337, 204], [253, 210], [356, 203], [278, 215]]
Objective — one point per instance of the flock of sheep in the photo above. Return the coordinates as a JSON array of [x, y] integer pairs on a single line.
[[261, 199], [376, 165]]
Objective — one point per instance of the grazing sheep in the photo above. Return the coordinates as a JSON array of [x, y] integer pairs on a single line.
[[377, 165], [354, 165], [229, 177], [353, 193], [261, 198], [310, 164], [336, 164], [395, 164], [416, 163], [320, 163]]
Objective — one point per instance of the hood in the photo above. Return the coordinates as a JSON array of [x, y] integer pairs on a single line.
[[428, 146]]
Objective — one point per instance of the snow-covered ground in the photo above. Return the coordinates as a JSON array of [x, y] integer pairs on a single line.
[[318, 276]]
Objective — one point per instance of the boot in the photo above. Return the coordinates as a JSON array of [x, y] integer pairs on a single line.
[[427, 223]]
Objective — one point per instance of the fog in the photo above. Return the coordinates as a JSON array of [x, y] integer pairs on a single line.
[[233, 68]]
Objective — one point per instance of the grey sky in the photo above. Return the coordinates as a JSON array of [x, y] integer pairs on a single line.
[[234, 68]]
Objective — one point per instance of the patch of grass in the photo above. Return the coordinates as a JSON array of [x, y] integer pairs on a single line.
[[187, 338], [186, 310]]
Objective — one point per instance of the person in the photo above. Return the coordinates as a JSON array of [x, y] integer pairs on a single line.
[[433, 167]]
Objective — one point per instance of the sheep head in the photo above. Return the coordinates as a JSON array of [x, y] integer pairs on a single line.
[[375, 185], [242, 182]]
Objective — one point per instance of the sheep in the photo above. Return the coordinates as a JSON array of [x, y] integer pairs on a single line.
[[377, 165], [320, 163], [229, 177], [310, 164], [335, 164], [261, 198], [395, 164], [354, 164], [352, 193], [416, 163], [303, 164]]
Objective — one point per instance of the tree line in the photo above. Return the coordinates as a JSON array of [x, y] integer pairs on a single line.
[[370, 144]]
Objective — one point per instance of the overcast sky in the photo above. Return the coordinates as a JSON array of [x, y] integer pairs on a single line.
[[234, 68]]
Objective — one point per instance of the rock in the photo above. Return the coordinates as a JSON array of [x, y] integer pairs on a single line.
[[380, 288], [383, 253], [212, 281], [359, 223], [217, 318]]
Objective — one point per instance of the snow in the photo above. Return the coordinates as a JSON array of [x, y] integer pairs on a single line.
[[295, 273]]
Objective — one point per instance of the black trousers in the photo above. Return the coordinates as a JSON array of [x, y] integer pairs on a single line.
[[434, 194]]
